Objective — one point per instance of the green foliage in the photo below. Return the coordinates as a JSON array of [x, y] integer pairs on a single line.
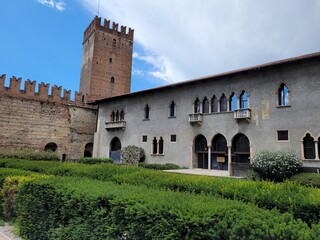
[[94, 160], [303, 202], [307, 179], [157, 166], [276, 166], [78, 208], [29, 155], [132, 155]]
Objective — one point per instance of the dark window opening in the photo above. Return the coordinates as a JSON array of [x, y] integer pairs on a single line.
[[172, 109], [113, 116], [283, 95], [155, 146], [197, 106], [283, 135], [121, 115], [117, 116], [219, 144], [201, 144], [146, 112], [214, 104], [205, 105], [88, 149], [161, 145], [115, 144], [309, 147], [112, 79], [64, 157], [223, 103], [110, 60], [144, 138], [173, 138]]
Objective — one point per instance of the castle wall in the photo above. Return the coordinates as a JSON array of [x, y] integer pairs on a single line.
[[31, 120]]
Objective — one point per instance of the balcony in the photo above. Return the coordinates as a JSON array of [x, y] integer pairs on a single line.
[[242, 114], [195, 118], [118, 125]]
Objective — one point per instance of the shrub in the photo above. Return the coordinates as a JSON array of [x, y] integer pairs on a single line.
[[29, 155], [276, 166], [93, 160], [157, 166], [73, 208], [132, 155], [307, 179]]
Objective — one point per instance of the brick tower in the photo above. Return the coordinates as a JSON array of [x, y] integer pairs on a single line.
[[106, 60]]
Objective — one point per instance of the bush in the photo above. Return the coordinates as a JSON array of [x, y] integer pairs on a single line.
[[276, 166], [92, 160], [29, 155], [157, 166], [132, 155], [307, 179], [73, 208]]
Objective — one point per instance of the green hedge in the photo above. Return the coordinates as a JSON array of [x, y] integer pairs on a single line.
[[303, 202], [78, 208], [157, 166], [29, 155], [92, 160], [307, 179]]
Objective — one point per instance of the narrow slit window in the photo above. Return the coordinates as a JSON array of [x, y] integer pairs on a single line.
[[146, 112], [172, 109], [161, 145], [205, 105]]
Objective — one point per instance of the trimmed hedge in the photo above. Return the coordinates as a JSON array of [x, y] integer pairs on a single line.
[[157, 166], [303, 202], [29, 155], [307, 179], [92, 160], [77, 208]]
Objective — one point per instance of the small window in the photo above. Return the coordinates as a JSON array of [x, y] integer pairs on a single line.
[[214, 104], [283, 95], [161, 145], [172, 109], [144, 138], [110, 60], [283, 135], [112, 79], [173, 138], [308, 147], [223, 103], [146, 112], [233, 102], [154, 146], [197, 106], [244, 100], [121, 115], [205, 105]]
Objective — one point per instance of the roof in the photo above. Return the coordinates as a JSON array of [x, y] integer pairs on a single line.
[[215, 76]]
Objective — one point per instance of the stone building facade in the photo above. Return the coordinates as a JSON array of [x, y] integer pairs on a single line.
[[39, 121], [220, 122]]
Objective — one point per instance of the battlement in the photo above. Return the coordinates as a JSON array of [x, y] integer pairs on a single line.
[[29, 92], [96, 24]]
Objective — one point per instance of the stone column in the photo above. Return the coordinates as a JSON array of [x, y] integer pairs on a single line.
[[316, 150], [209, 157], [229, 161], [302, 150]]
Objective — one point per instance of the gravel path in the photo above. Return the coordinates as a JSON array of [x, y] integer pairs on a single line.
[[6, 233]]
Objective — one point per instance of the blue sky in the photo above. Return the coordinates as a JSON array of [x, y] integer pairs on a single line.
[[175, 40]]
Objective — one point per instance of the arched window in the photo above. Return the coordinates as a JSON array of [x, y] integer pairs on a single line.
[[51, 147], [112, 79], [110, 60], [172, 109], [154, 146], [201, 144], [117, 116], [205, 105], [113, 116], [121, 115], [197, 106], [214, 104], [223, 103], [283, 95], [309, 147], [146, 112], [219, 144], [233, 102], [244, 100], [240, 149], [161, 145]]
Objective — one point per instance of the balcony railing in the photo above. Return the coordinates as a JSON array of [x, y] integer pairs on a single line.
[[242, 114], [118, 125], [195, 118]]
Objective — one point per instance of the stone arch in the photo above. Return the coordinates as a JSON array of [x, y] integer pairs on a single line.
[[240, 154], [88, 149], [201, 151], [309, 150], [219, 152], [115, 150], [51, 147]]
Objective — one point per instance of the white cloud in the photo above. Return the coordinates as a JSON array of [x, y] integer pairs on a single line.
[[58, 5], [186, 39]]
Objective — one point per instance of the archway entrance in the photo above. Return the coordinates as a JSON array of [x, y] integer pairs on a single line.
[[240, 155], [115, 150], [201, 150], [88, 150], [219, 153], [51, 147]]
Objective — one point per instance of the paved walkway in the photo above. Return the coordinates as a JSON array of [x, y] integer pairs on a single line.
[[6, 233], [200, 171]]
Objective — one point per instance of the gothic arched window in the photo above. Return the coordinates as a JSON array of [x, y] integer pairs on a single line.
[[283, 95]]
